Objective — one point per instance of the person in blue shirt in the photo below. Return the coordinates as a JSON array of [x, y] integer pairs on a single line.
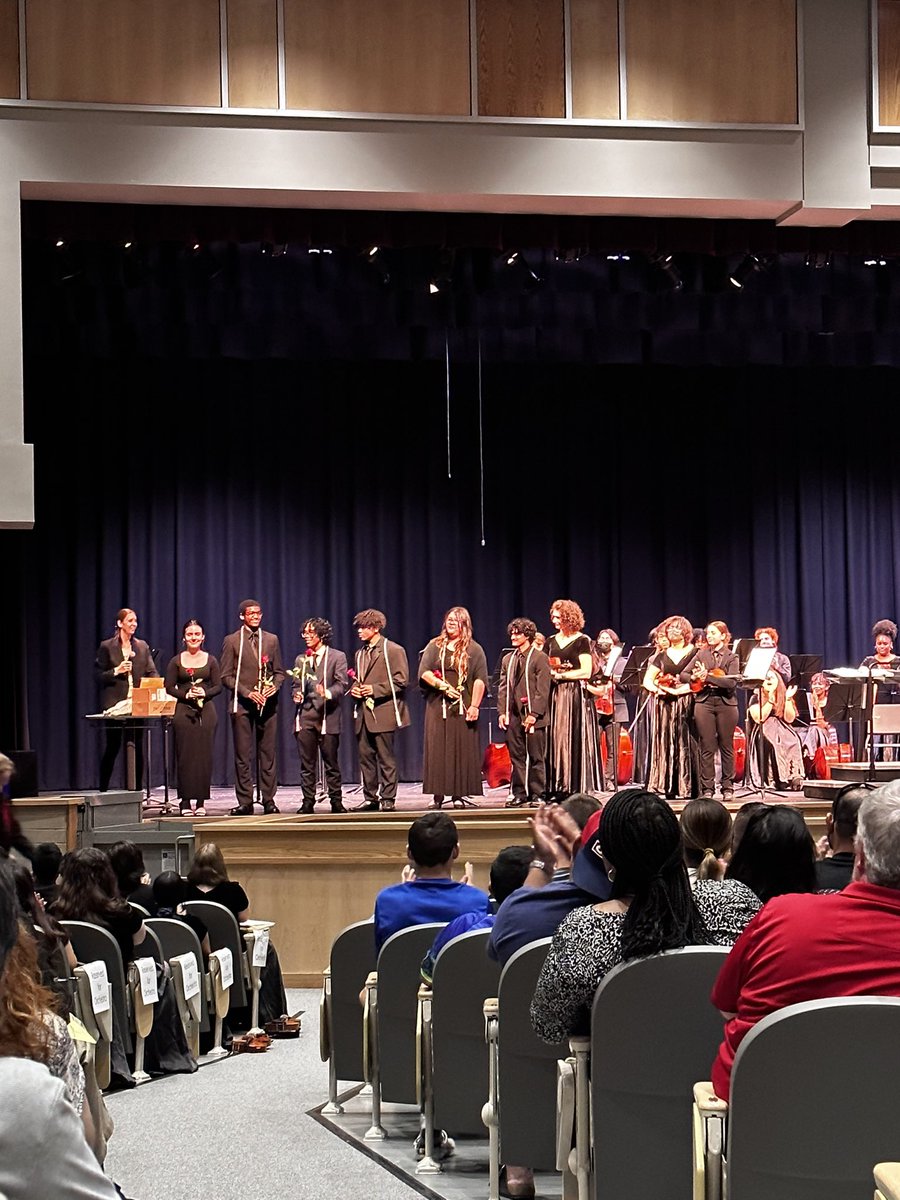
[[508, 871], [428, 892]]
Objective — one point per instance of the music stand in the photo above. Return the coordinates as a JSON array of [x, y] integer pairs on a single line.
[[846, 702], [756, 664]]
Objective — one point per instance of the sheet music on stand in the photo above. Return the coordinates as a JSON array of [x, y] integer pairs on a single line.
[[758, 664], [743, 647]]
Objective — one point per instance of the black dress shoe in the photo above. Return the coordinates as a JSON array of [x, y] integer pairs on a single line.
[[270, 808], [337, 807], [242, 810], [387, 806], [307, 806], [369, 806]]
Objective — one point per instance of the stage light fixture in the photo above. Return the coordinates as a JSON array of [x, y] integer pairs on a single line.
[[819, 259], [60, 244], [373, 252], [875, 262], [196, 247], [128, 245], [617, 258], [668, 267], [745, 270], [319, 250], [512, 259], [571, 254]]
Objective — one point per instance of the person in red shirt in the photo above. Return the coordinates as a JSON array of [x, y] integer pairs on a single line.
[[811, 946]]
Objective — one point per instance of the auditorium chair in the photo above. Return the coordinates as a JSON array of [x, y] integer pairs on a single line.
[[815, 1096], [389, 1020], [887, 1177], [178, 940], [451, 1057], [224, 931], [653, 1026], [351, 961], [520, 1111], [131, 1013]]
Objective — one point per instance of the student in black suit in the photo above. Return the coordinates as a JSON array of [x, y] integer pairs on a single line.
[[715, 707], [252, 669], [320, 679], [121, 660], [523, 699], [381, 676]]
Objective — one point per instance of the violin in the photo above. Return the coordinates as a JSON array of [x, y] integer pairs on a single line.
[[666, 681], [697, 685]]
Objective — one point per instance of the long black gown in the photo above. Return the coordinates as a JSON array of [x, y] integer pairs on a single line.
[[452, 761], [195, 727], [672, 746], [573, 756]]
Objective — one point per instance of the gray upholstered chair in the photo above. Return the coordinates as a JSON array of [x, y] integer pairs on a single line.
[[815, 1093], [351, 961]]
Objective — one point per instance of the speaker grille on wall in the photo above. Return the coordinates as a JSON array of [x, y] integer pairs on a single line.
[[25, 780]]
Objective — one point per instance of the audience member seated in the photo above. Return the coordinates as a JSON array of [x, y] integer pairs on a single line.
[[836, 870], [208, 879], [428, 892], [168, 898], [741, 817], [43, 1149], [127, 861], [706, 832], [813, 947], [651, 909], [560, 834], [45, 865], [49, 936], [508, 871], [776, 853], [88, 892]]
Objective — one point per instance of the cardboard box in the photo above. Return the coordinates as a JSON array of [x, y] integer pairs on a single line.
[[151, 701]]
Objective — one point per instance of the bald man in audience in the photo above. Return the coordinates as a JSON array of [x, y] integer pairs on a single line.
[[810, 946]]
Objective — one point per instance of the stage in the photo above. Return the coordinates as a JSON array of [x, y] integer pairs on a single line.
[[315, 874]]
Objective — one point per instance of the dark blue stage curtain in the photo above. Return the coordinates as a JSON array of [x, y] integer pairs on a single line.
[[180, 487], [218, 420]]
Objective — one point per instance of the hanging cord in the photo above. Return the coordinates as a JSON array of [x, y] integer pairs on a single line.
[[480, 444]]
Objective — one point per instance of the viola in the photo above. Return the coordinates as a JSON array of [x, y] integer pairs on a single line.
[[697, 685], [666, 681]]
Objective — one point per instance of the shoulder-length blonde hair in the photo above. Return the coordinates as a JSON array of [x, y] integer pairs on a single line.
[[571, 618], [460, 654]]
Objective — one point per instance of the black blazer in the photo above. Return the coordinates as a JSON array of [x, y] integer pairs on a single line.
[[228, 663], [114, 688], [315, 711], [716, 689], [371, 669], [535, 685]]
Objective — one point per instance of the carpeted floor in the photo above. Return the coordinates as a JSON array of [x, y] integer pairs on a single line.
[[240, 1129]]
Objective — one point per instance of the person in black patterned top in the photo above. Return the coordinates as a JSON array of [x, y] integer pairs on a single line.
[[651, 909]]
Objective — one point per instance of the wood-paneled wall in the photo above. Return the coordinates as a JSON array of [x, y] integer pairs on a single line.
[[708, 60], [393, 56], [521, 58], [124, 51], [888, 62], [252, 53], [704, 61], [9, 49], [595, 59]]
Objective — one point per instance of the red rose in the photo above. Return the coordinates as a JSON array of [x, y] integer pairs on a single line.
[[265, 659]]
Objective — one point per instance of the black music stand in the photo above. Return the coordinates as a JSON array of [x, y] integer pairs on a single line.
[[845, 703]]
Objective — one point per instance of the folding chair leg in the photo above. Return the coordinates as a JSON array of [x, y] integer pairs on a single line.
[[332, 1108], [376, 1131], [490, 1114], [140, 1075]]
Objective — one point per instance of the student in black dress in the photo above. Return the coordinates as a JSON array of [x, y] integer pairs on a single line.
[[712, 677], [573, 756], [193, 678], [453, 677], [208, 880], [672, 746], [121, 660], [131, 875]]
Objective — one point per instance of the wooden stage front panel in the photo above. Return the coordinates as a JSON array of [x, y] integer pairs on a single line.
[[314, 875]]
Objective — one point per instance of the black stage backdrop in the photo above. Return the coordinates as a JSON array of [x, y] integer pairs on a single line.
[[176, 478]]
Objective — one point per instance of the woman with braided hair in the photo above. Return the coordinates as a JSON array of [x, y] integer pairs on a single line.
[[651, 909]]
